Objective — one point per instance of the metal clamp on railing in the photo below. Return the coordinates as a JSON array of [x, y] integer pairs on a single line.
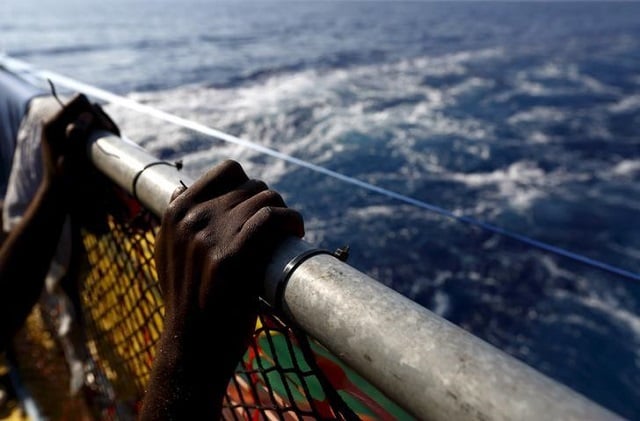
[[292, 266], [276, 299]]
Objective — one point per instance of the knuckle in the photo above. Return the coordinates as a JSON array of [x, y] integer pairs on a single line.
[[272, 196], [261, 185], [232, 167], [265, 213], [173, 214], [297, 215], [190, 220], [195, 219], [202, 239]]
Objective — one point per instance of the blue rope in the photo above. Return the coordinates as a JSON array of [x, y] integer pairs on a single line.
[[162, 115]]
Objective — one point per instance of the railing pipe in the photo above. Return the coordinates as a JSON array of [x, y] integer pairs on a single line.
[[429, 366]]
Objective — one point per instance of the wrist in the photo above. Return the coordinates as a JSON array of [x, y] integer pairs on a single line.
[[200, 365], [178, 385], [222, 331], [197, 345]]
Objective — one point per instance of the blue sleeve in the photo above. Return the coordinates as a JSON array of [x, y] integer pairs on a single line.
[[15, 95]]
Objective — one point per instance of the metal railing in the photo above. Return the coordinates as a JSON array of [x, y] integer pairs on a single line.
[[429, 366]]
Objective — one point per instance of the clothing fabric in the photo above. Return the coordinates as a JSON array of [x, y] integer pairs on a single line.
[[15, 96], [25, 177], [23, 109]]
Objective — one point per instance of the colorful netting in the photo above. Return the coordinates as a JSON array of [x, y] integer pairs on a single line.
[[283, 375]]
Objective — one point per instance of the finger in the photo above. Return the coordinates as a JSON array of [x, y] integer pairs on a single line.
[[269, 225], [216, 182], [177, 192], [55, 127], [242, 193], [261, 235], [197, 218], [263, 199]]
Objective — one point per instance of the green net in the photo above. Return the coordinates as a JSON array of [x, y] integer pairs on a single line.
[[283, 375]]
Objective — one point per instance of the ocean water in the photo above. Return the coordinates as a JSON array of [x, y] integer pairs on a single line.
[[524, 115]]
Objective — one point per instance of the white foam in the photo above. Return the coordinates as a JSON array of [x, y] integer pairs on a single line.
[[603, 301], [441, 303], [535, 88], [551, 71], [318, 115], [521, 182], [629, 103], [610, 306], [626, 250], [627, 167], [556, 272], [538, 115], [339, 103], [371, 212], [539, 137], [533, 82], [470, 84]]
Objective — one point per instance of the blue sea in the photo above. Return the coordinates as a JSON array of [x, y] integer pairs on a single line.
[[523, 115]]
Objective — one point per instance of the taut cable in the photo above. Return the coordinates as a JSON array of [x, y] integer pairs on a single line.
[[110, 97]]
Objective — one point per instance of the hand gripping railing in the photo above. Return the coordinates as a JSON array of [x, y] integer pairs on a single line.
[[432, 368]]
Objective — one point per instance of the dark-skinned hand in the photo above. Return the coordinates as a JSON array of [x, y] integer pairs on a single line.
[[64, 138], [212, 249], [85, 193], [211, 253], [25, 255]]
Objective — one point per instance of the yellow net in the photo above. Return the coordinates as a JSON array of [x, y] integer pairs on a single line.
[[122, 305]]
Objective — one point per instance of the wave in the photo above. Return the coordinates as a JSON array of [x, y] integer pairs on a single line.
[[612, 308], [626, 105], [521, 182], [57, 51], [627, 167], [314, 113], [420, 131], [102, 48], [537, 115]]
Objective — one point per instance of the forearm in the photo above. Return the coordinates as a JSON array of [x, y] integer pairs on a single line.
[[26, 255], [188, 381]]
